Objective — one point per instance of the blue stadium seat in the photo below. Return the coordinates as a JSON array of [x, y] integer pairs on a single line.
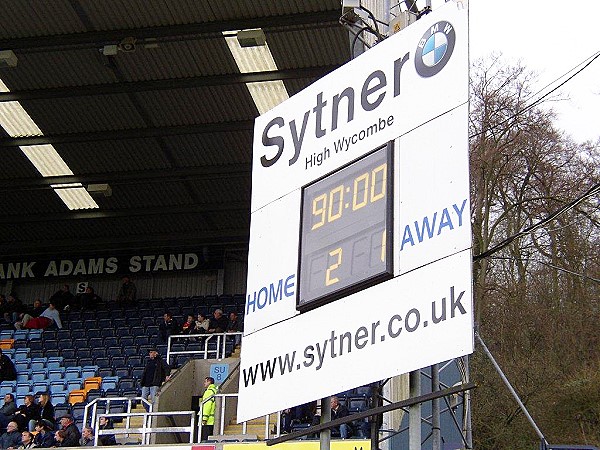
[[89, 371], [57, 387], [22, 365], [52, 352], [40, 386], [70, 362], [105, 372], [89, 361], [76, 325], [127, 383], [135, 360], [36, 344], [6, 334], [102, 362], [131, 350], [126, 341], [63, 334], [7, 387], [20, 335], [23, 388], [107, 332], [23, 376], [38, 363], [60, 409], [141, 339], [96, 342], [74, 383], [56, 374], [118, 360], [80, 342], [111, 341], [54, 362], [21, 354], [114, 351], [123, 371], [90, 324], [84, 352], [137, 371], [39, 375], [105, 323], [119, 322], [93, 332], [72, 372], [68, 352]]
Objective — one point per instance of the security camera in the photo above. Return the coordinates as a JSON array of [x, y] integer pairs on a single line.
[[127, 44]]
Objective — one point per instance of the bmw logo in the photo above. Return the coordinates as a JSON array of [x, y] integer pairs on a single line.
[[435, 49]]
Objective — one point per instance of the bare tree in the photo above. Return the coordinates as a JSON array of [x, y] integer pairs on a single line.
[[536, 297]]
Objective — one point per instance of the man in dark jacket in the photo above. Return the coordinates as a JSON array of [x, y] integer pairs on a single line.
[[72, 434], [337, 411], [7, 368], [12, 437], [155, 373]]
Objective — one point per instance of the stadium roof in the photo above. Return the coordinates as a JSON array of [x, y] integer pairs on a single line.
[[149, 97]]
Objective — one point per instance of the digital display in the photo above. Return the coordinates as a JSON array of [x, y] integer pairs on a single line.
[[345, 231]]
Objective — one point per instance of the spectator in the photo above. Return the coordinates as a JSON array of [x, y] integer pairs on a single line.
[[59, 439], [89, 300], [8, 410], [72, 434], [44, 437], [26, 441], [128, 291], [154, 375], [208, 407], [46, 407], [301, 414], [235, 325], [13, 309], [37, 309], [106, 439], [189, 325], [167, 327], [12, 437], [49, 318], [63, 299], [8, 372], [337, 411], [28, 411], [87, 437], [218, 324], [202, 324]]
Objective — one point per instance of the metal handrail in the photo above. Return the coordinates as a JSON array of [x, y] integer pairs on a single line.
[[219, 352], [224, 398], [93, 405], [146, 430]]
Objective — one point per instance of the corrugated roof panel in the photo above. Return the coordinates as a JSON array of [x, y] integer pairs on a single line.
[[115, 14], [206, 56], [26, 18], [227, 190], [68, 67], [309, 47], [147, 194], [212, 149], [31, 200], [71, 115], [199, 105], [16, 165], [113, 156]]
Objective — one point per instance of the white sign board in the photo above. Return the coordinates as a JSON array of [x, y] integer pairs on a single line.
[[411, 89]]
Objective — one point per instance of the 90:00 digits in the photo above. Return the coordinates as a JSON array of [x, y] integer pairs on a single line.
[[330, 205]]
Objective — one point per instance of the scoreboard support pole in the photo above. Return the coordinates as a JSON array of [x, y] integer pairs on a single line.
[[325, 435], [414, 411]]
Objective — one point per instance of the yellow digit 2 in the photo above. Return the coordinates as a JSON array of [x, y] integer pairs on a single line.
[[328, 280]]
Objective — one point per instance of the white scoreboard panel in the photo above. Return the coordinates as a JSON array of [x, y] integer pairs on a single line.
[[360, 241]]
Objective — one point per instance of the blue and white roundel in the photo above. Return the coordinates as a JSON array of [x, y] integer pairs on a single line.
[[435, 49]]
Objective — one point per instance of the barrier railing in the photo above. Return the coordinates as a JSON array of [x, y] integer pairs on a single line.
[[101, 406], [208, 351], [220, 418], [148, 427]]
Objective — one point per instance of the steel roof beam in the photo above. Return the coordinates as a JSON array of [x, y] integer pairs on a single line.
[[203, 28], [168, 84], [126, 212], [131, 177], [137, 133]]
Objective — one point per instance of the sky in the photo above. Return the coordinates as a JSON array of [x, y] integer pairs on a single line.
[[550, 40]]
